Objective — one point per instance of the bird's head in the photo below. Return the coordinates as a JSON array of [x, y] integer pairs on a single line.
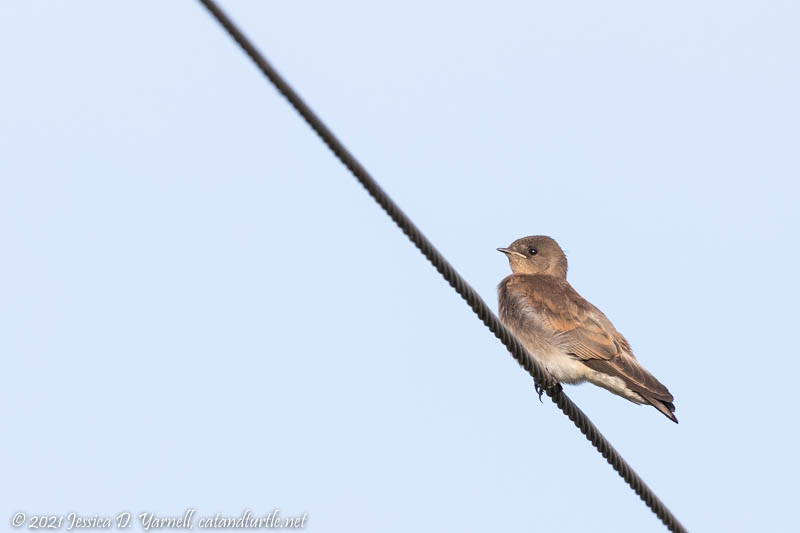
[[537, 254]]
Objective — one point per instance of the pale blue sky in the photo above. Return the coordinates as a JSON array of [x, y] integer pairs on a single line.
[[202, 308]]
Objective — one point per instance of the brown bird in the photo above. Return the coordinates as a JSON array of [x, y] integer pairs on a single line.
[[572, 338]]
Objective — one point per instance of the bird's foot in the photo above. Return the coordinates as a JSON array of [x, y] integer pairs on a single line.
[[552, 389]]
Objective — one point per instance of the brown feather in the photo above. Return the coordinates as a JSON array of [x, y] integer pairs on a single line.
[[583, 331]]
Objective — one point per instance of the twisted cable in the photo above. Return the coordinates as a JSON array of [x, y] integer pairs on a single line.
[[542, 378]]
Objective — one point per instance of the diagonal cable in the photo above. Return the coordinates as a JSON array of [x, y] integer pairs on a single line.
[[541, 376]]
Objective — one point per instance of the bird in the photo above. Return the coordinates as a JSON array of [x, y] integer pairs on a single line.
[[569, 336]]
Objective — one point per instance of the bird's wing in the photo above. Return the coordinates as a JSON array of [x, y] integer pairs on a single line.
[[584, 332]]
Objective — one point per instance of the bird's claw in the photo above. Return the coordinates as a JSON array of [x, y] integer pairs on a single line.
[[539, 391], [555, 387]]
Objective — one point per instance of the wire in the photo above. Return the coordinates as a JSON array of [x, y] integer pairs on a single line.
[[541, 376]]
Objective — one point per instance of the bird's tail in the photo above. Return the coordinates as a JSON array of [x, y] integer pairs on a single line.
[[667, 408]]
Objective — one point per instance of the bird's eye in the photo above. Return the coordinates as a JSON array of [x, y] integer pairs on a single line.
[[532, 251]]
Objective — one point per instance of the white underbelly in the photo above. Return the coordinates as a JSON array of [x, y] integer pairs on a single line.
[[567, 369], [564, 368]]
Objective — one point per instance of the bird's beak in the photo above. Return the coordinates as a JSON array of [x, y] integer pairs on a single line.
[[510, 252]]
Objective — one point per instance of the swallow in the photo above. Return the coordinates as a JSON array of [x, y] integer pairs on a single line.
[[569, 336]]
